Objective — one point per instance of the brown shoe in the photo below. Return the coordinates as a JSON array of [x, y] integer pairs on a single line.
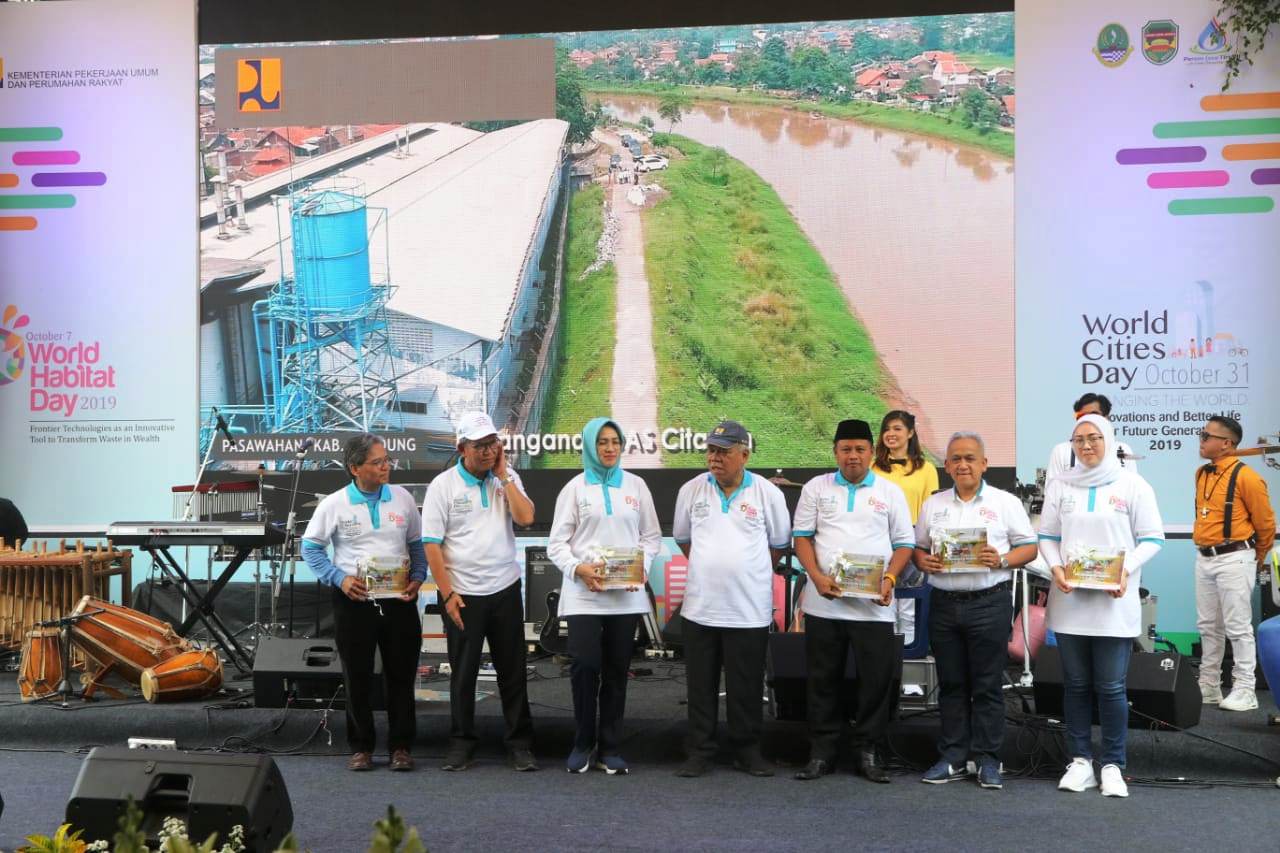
[[360, 761], [401, 760]]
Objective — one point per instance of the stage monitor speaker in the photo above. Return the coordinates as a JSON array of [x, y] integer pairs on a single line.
[[1160, 685], [210, 792], [787, 675], [541, 576], [303, 673]]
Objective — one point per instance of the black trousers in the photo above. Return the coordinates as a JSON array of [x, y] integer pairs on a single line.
[[826, 651], [601, 649], [740, 652], [396, 632], [970, 642], [498, 618]]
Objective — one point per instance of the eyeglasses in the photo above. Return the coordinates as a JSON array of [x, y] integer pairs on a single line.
[[381, 462], [1086, 441], [486, 446], [1205, 436]]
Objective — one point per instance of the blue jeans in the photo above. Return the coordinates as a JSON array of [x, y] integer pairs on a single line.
[[1095, 667]]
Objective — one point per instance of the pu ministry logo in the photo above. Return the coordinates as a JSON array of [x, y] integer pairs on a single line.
[[13, 349], [259, 84]]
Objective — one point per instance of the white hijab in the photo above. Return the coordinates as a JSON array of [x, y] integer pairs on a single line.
[[1106, 471]]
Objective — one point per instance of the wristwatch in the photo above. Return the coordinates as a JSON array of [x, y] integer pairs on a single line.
[[508, 480], [1004, 561]]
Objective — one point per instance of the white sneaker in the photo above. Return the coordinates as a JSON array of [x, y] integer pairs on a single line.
[[1211, 694], [1113, 784], [1079, 776], [1240, 699]]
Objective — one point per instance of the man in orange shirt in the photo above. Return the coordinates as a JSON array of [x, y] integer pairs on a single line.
[[1234, 530]]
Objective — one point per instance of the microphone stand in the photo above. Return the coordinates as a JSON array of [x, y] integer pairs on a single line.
[[204, 463], [290, 538], [63, 624]]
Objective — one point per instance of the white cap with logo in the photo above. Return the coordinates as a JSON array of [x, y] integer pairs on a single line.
[[475, 425]]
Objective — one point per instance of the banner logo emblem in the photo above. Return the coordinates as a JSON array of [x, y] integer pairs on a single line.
[[1112, 47], [1160, 41], [13, 349], [259, 84], [1212, 40]]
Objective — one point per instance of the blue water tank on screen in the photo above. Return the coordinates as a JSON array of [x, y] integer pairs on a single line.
[[331, 251]]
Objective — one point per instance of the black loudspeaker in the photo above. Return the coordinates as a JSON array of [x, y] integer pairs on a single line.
[[1161, 685], [541, 576], [787, 675], [305, 674], [210, 792]]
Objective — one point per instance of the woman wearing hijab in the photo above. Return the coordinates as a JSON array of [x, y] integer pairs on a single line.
[[1097, 508], [603, 507]]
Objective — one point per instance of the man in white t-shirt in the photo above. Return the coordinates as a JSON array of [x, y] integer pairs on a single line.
[[971, 610], [1063, 457], [850, 513], [467, 530], [733, 527]]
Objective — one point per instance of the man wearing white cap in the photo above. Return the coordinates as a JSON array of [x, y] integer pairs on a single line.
[[467, 530]]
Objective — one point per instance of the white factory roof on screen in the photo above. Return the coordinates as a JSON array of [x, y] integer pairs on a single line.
[[463, 226]]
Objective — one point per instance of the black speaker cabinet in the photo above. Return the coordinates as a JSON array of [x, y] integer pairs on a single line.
[[787, 675], [1161, 685], [541, 576], [210, 792], [308, 672]]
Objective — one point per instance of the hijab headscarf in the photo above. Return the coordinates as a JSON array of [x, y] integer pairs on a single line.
[[1106, 471], [595, 472]]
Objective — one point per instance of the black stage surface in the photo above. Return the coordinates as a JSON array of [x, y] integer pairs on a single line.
[[490, 807]]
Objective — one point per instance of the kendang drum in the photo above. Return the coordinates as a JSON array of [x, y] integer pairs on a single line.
[[40, 672], [190, 675], [123, 640]]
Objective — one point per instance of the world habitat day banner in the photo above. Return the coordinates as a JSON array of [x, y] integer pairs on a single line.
[[98, 263]]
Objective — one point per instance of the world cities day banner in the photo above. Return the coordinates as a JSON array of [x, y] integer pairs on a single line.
[[1146, 242], [98, 265]]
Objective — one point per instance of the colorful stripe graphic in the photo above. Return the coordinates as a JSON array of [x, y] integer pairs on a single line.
[[68, 179], [1148, 156], [8, 180], [1220, 127], [1209, 206], [1243, 101], [1184, 180], [17, 223], [1266, 176], [46, 158], [30, 134], [36, 202], [1252, 151]]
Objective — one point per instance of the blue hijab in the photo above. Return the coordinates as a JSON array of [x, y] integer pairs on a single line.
[[596, 473]]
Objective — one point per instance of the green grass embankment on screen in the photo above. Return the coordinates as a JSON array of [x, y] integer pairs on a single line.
[[587, 329], [895, 118], [749, 322]]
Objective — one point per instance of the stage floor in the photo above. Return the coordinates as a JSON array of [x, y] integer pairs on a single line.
[[492, 808]]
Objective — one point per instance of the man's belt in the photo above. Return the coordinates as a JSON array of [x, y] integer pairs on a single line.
[[1225, 548], [970, 594]]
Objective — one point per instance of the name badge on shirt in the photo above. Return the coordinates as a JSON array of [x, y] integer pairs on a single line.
[[701, 509], [462, 504], [348, 528]]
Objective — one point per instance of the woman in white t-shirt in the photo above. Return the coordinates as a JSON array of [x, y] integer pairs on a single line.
[[604, 507], [1097, 509]]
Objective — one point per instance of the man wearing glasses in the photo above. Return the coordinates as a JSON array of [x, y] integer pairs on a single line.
[[370, 521], [467, 530], [1234, 530]]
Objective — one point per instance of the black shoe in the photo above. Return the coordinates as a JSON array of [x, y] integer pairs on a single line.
[[870, 766], [815, 769], [754, 764], [457, 759], [694, 767], [522, 761]]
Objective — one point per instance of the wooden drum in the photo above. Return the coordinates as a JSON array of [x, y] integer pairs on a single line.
[[190, 675], [123, 639], [40, 672]]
